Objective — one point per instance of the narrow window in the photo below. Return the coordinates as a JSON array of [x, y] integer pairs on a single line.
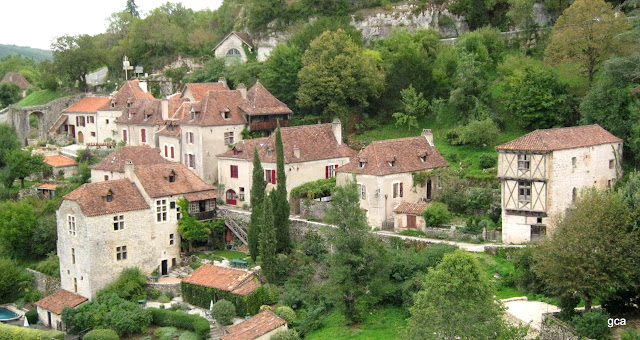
[[270, 176], [574, 194], [397, 190], [234, 171], [611, 164], [524, 162], [118, 222], [143, 135], [524, 191], [72, 224], [172, 152], [361, 165], [166, 151], [330, 170], [109, 197], [73, 256], [106, 177], [361, 190], [172, 205], [228, 138], [171, 239], [106, 121], [124, 135], [161, 210], [75, 285], [121, 253], [574, 162], [172, 177], [241, 194]]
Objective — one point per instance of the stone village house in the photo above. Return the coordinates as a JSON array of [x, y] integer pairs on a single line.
[[235, 45], [50, 308], [542, 173], [107, 226], [112, 166], [383, 171], [80, 121], [18, 79]]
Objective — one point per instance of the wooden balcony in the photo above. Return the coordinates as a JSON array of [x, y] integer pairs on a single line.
[[205, 215], [268, 125]]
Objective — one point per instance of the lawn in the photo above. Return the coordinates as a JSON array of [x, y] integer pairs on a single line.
[[230, 254], [41, 97], [16, 185], [383, 323]]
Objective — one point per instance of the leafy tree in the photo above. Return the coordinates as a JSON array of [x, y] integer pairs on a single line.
[[457, 302], [337, 77], [587, 33], [9, 94], [132, 8], [22, 164], [10, 275], [258, 186], [359, 267], [8, 142], [263, 12], [76, 56], [190, 228], [223, 311], [630, 194], [268, 240], [280, 202], [129, 285], [479, 13], [414, 106], [213, 69], [17, 223], [289, 334], [303, 38], [592, 250], [436, 214], [280, 72]]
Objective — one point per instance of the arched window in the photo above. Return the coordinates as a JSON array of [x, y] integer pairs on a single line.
[[234, 54]]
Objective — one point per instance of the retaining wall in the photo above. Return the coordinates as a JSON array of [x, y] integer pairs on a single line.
[[44, 283]]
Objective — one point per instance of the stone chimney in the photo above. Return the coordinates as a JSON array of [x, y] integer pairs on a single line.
[[165, 108], [428, 134], [336, 126], [143, 86], [128, 169], [296, 152], [243, 90], [223, 81]]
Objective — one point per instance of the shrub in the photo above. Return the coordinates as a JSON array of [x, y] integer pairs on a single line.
[[289, 334], [486, 161], [628, 334], [32, 295], [195, 265], [8, 332], [32, 316], [478, 133], [195, 323], [473, 227], [101, 334], [165, 333], [153, 294], [10, 275], [271, 294], [164, 299], [49, 266], [592, 324], [436, 214], [286, 312], [223, 311], [129, 285], [480, 199], [188, 336]]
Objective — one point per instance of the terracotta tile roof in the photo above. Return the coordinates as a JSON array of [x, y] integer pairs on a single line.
[[561, 138], [315, 142], [142, 111], [199, 90], [209, 110], [58, 160], [202, 195], [16, 78], [88, 105], [48, 186], [60, 299], [154, 178], [411, 208], [256, 326], [91, 197], [128, 93], [170, 129], [58, 123], [227, 279], [241, 35], [261, 102], [139, 155], [404, 153]]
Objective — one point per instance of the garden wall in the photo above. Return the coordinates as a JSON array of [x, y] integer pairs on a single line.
[[555, 329], [44, 283], [166, 288]]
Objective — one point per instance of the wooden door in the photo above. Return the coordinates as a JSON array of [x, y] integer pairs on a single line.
[[411, 221], [231, 197]]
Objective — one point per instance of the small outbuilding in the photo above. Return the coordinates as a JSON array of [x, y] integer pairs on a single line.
[[50, 308], [259, 327], [48, 190], [408, 216], [58, 163]]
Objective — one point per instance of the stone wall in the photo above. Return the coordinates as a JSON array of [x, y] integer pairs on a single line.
[[166, 288], [44, 283], [313, 208], [555, 329]]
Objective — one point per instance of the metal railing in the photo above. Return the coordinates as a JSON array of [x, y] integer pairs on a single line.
[[234, 227]]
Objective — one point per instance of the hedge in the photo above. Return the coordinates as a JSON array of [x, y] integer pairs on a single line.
[[101, 334], [202, 296], [8, 332], [169, 318]]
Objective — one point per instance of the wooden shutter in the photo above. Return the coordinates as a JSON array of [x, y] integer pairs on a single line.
[[395, 190], [400, 189], [166, 153], [326, 171], [124, 135], [143, 135], [172, 152], [273, 176]]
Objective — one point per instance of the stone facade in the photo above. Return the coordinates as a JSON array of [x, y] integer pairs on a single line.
[[56, 320], [166, 288], [228, 47], [44, 283], [208, 142]]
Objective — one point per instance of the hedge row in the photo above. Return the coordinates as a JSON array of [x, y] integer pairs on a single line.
[[8, 332], [101, 334], [169, 318], [202, 296]]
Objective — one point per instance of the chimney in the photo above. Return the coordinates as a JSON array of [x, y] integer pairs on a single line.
[[143, 86], [296, 152], [165, 108], [243, 90], [428, 134], [223, 81], [336, 126], [128, 169]]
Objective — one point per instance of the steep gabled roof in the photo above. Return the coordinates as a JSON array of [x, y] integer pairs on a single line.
[[210, 109], [198, 90], [254, 327], [404, 153], [57, 301], [139, 155], [142, 111], [91, 197], [260, 102], [314, 142], [227, 279], [128, 93], [16, 78], [561, 138], [154, 178], [88, 105], [58, 160], [241, 35]]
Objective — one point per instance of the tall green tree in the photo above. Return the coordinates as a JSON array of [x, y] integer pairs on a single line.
[[358, 268], [132, 8], [414, 106], [258, 186], [268, 241], [280, 201], [8, 142], [280, 72], [17, 223], [9, 94], [457, 302], [593, 250], [76, 56], [22, 164]]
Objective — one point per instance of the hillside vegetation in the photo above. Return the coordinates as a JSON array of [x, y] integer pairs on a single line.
[[28, 52]]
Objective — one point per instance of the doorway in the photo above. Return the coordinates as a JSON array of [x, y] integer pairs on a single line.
[[165, 267], [49, 319], [411, 221], [231, 197], [80, 137], [429, 188]]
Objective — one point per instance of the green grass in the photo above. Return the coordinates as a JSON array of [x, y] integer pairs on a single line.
[[383, 323], [17, 186], [41, 97], [230, 254]]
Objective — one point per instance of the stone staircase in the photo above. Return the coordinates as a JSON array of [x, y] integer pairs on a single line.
[[235, 228], [217, 331]]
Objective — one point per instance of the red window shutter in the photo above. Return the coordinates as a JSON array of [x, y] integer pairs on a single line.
[[77, 120], [124, 135], [400, 189], [172, 152], [395, 190], [266, 176], [143, 135], [166, 154], [326, 171]]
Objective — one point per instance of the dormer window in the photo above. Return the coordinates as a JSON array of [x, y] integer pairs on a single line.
[[172, 177], [392, 163], [193, 114], [423, 159], [129, 103], [361, 164], [146, 116], [113, 103], [226, 114], [109, 196], [130, 114], [235, 151], [269, 151]]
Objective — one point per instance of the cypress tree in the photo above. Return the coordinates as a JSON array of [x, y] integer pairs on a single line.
[[281, 203], [268, 240], [258, 186]]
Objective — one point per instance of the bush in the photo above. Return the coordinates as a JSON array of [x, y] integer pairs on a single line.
[[50, 266], [32, 316], [436, 214], [289, 334], [129, 285], [478, 133], [592, 324], [165, 333], [101, 334], [10, 275], [628, 334], [286, 312], [32, 295], [480, 199], [486, 161], [164, 299], [198, 324], [223, 311], [195, 265], [8, 332], [153, 294], [188, 336]]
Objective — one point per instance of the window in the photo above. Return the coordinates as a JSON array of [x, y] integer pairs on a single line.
[[241, 194], [121, 253], [172, 152], [93, 134], [392, 163], [423, 159], [228, 138], [574, 194], [172, 205], [113, 103], [143, 135], [191, 158], [91, 119], [75, 285], [178, 215], [129, 103], [612, 164], [71, 221], [106, 121], [161, 210], [80, 121], [166, 151], [234, 54], [362, 191], [172, 177], [234, 171], [270, 176], [109, 197], [146, 116], [118, 222], [397, 189], [190, 137], [106, 177], [171, 239], [330, 170], [539, 220], [574, 162], [361, 164], [524, 162], [124, 135], [609, 183], [73, 256], [174, 262], [524, 191]]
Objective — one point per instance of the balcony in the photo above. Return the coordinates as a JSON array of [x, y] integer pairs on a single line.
[[268, 125], [204, 215]]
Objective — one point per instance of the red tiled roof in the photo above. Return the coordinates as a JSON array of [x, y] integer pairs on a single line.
[[128, 93], [16, 78], [170, 128], [404, 153], [198, 90], [139, 155], [154, 178], [88, 105], [48, 186], [262, 102], [202, 195], [91, 197], [256, 326], [57, 301], [142, 111], [227, 279], [209, 110], [561, 138], [410, 208], [315, 142], [58, 160]]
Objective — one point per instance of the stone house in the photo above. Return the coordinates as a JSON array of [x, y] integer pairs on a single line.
[[18, 79], [383, 171], [112, 166], [50, 308], [140, 122], [58, 163], [542, 173], [259, 327], [311, 152], [408, 215], [108, 226], [124, 98], [80, 121], [234, 47]]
